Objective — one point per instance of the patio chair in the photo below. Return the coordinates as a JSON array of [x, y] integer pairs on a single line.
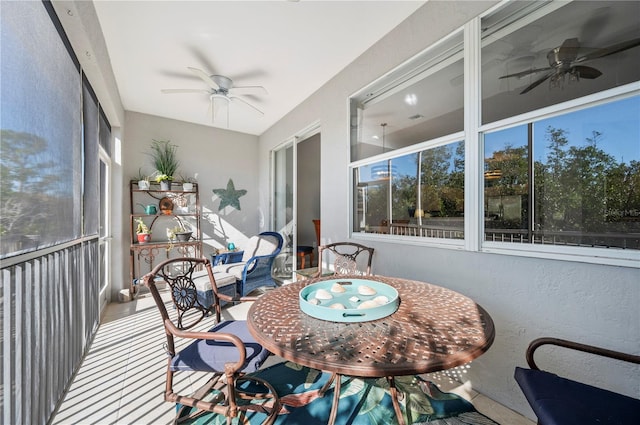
[[347, 258], [253, 271], [559, 401], [303, 251], [227, 350]]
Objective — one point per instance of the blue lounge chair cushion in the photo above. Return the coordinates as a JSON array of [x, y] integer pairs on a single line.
[[560, 401], [211, 356]]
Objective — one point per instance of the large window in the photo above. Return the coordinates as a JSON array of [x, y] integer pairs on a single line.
[[569, 174], [551, 111], [418, 191], [419, 194], [420, 102], [556, 52], [50, 132], [573, 179]]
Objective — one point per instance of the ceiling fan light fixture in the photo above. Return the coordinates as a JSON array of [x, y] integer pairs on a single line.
[[220, 87], [556, 81], [574, 76], [219, 96]]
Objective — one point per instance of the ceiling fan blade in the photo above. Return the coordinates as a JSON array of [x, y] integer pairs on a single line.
[[527, 72], [586, 72], [168, 91], [606, 51], [204, 77], [568, 51], [249, 89], [234, 98], [536, 83]]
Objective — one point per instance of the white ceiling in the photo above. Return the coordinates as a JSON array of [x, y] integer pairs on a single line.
[[290, 47]]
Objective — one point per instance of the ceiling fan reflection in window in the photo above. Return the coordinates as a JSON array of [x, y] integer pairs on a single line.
[[220, 88], [567, 61]]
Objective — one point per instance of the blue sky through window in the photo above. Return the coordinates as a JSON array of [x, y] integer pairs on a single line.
[[618, 124]]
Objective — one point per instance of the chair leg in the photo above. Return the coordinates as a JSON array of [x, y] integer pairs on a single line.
[[326, 386], [226, 401], [187, 418], [193, 400], [271, 411], [336, 400], [394, 398]]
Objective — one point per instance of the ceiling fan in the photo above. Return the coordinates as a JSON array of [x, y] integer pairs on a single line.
[[220, 87], [564, 60]]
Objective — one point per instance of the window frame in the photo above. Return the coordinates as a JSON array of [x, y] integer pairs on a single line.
[[445, 52], [408, 150], [472, 135], [611, 256]]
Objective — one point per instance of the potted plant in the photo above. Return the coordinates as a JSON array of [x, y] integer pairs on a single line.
[[187, 183], [165, 160], [182, 232], [143, 180], [164, 181], [142, 231]]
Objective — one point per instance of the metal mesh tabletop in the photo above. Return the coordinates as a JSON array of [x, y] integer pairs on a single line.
[[433, 329]]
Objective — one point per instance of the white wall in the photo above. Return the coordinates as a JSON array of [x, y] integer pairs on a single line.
[[526, 297], [213, 156]]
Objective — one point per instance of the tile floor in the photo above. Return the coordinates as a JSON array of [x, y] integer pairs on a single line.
[[121, 380]]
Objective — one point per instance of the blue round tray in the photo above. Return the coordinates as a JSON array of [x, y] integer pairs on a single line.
[[351, 299]]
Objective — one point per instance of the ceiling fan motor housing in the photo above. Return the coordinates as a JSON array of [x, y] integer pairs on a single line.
[[224, 83]]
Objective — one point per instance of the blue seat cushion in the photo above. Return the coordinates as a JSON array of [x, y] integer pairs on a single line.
[[211, 356], [560, 401]]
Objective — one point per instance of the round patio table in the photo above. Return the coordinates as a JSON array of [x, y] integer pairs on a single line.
[[433, 329]]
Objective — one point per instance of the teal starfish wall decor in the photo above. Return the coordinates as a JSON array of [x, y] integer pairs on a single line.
[[229, 196]]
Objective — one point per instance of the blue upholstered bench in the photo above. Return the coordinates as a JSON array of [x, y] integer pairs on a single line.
[[560, 401]]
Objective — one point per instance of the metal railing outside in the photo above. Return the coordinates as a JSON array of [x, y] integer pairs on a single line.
[[581, 239]]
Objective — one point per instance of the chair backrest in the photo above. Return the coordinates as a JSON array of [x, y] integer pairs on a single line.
[[345, 258], [316, 226], [187, 310], [258, 272], [266, 243]]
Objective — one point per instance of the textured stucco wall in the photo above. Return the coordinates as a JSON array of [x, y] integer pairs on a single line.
[[527, 297]]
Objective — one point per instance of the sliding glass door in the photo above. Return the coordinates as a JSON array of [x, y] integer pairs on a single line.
[[296, 195], [283, 190]]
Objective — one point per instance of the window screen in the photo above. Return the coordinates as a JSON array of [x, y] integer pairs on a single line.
[[41, 140]]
